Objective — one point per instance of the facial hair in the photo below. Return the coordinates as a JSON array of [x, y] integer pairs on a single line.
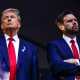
[[72, 31]]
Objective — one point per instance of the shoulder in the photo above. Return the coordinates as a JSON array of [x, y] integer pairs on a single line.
[[61, 40], [30, 47], [78, 41], [27, 43], [2, 39], [56, 43]]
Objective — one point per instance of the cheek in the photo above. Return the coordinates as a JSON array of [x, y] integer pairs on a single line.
[[77, 24], [19, 25], [4, 22], [69, 25]]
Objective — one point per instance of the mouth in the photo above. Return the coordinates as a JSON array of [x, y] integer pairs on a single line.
[[9, 23], [75, 27]]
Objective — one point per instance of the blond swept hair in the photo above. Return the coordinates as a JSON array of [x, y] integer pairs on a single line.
[[16, 11]]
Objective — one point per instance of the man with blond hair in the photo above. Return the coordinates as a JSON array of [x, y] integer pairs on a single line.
[[19, 58]]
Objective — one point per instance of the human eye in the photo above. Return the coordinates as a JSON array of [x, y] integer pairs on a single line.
[[4, 18], [12, 16], [75, 19]]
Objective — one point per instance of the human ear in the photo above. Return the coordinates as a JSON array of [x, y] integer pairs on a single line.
[[61, 27]]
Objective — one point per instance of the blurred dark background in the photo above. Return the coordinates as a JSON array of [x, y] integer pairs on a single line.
[[38, 27]]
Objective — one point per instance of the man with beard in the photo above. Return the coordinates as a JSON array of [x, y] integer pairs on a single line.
[[63, 54]]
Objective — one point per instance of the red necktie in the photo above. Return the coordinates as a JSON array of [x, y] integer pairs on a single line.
[[75, 53], [12, 59]]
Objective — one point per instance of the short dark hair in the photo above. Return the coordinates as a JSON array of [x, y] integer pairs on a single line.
[[60, 20]]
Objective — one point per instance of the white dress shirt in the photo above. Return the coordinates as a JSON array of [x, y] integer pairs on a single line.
[[15, 43], [68, 39]]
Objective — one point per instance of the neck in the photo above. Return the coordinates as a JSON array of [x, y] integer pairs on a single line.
[[71, 36], [10, 32]]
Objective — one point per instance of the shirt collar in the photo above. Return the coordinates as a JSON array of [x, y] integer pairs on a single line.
[[14, 37], [68, 39]]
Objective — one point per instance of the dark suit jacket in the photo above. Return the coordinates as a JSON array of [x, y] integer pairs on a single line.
[[47, 76], [57, 52], [27, 65]]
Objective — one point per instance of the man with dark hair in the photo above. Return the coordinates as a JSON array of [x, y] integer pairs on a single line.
[[64, 54]]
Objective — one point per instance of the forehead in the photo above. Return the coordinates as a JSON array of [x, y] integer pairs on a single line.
[[9, 13], [69, 16]]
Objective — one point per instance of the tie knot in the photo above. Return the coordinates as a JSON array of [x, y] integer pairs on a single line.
[[72, 41], [11, 39]]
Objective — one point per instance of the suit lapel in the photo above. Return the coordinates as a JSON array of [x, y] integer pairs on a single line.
[[23, 48], [66, 48], [3, 48], [79, 47], [20, 52]]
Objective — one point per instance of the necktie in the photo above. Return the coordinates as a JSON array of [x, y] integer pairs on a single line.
[[75, 53], [12, 59]]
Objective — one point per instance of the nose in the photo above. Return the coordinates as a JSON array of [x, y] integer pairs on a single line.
[[74, 22], [9, 19]]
